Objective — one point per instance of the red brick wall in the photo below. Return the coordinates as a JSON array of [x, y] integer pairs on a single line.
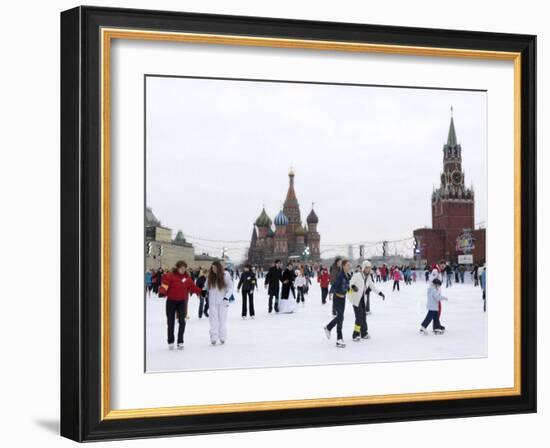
[[453, 218], [479, 250], [432, 244], [453, 215]]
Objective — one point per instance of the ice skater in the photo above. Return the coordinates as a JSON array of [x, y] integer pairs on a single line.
[[335, 270], [437, 272], [203, 300], [448, 276], [248, 282], [300, 283], [219, 285], [396, 275], [286, 305], [483, 284], [148, 282], [434, 298], [272, 281], [475, 274], [287, 280], [324, 281], [339, 289], [367, 292], [360, 282], [176, 287]]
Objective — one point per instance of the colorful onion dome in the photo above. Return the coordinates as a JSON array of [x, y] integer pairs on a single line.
[[301, 230], [263, 220], [281, 219]]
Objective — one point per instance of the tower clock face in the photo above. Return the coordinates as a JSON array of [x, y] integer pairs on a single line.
[[456, 177]]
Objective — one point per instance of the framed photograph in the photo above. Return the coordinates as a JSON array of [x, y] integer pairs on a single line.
[[273, 223]]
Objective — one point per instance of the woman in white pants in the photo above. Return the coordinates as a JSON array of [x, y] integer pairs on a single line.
[[219, 286]]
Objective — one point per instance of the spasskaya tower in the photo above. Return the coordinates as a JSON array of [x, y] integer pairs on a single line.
[[453, 207]]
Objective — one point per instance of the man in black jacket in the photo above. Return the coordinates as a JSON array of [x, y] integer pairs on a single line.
[[248, 283], [272, 280]]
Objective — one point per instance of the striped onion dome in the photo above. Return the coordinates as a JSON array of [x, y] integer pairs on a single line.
[[281, 219]]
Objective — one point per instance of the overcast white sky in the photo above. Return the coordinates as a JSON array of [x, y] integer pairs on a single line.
[[217, 150]]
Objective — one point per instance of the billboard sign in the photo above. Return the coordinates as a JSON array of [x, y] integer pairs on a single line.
[[465, 242], [466, 259]]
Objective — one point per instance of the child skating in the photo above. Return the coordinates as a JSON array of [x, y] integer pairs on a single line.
[[434, 297]]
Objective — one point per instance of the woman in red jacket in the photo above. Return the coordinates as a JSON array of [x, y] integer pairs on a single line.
[[324, 281], [176, 286]]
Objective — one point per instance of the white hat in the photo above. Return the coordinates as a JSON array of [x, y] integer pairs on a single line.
[[366, 264]]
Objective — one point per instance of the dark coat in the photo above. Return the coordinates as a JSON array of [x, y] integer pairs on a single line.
[[272, 280], [247, 281], [341, 284], [288, 277]]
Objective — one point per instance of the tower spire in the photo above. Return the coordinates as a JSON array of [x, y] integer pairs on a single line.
[[451, 138], [291, 199]]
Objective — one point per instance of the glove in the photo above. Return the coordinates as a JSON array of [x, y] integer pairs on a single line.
[[354, 288], [161, 294], [382, 295]]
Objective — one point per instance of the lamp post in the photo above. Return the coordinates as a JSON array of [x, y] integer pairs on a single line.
[[306, 253], [161, 253]]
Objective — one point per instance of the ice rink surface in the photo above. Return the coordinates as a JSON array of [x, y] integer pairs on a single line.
[[297, 339]]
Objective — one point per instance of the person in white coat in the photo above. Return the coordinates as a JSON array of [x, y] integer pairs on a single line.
[[360, 282], [300, 282], [220, 287]]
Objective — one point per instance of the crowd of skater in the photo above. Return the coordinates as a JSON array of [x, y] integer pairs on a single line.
[[287, 287]]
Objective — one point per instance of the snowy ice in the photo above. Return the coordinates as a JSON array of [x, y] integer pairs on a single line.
[[297, 339]]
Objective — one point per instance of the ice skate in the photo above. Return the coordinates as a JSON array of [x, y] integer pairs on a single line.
[[423, 331], [180, 346], [171, 346], [356, 339], [340, 343], [222, 341], [213, 342], [439, 330], [367, 336]]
